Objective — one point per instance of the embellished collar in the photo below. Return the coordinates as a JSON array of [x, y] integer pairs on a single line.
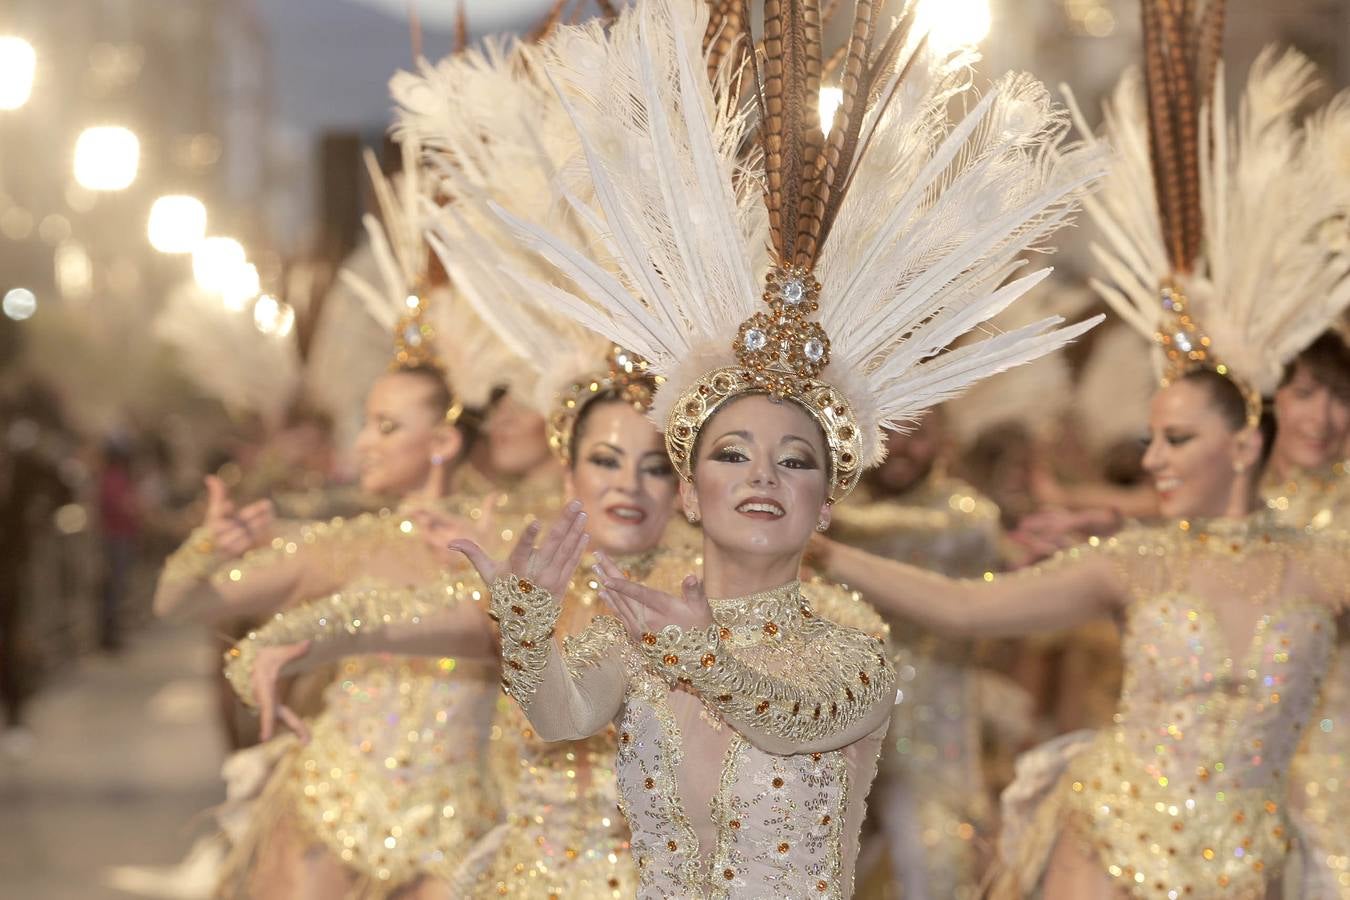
[[767, 615], [1234, 533]]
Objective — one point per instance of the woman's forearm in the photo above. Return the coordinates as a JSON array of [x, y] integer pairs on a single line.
[[1061, 595]]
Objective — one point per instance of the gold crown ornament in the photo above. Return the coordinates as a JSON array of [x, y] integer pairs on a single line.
[[1186, 348], [625, 378], [780, 352]]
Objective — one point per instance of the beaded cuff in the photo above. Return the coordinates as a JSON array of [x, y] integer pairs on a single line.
[[526, 615], [195, 560], [827, 692]]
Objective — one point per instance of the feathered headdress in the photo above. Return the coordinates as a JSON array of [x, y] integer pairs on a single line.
[[889, 238], [500, 136], [429, 323], [1210, 230]]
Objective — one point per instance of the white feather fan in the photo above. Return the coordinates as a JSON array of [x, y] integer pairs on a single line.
[[933, 223], [464, 345]]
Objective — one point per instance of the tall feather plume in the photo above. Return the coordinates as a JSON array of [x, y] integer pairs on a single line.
[[509, 142], [225, 355], [1267, 279], [1181, 52], [934, 223]]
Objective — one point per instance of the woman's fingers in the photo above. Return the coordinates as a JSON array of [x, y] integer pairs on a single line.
[[478, 558], [608, 568], [559, 533], [524, 548], [294, 723]]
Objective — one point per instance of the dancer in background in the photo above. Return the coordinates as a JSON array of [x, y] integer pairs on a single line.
[[394, 787], [1230, 617], [929, 798]]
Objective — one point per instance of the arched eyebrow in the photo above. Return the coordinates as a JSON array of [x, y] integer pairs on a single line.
[[607, 445], [743, 435]]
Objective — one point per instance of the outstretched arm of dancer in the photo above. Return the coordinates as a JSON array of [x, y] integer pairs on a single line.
[[1071, 589], [227, 566]]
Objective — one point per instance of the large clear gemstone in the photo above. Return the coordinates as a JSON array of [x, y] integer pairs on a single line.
[[412, 336], [755, 339], [1182, 341], [793, 291], [814, 350]]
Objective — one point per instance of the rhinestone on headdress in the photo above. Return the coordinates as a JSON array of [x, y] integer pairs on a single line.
[[414, 338], [1186, 348], [780, 348]]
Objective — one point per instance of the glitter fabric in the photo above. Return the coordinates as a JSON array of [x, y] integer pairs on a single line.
[[1185, 794], [1318, 501], [712, 814], [930, 796]]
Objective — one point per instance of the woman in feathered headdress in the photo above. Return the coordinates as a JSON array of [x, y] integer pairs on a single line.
[[1229, 616], [749, 726], [393, 787], [478, 111]]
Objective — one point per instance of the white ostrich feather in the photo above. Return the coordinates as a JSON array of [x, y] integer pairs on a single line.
[[222, 352], [1266, 284], [465, 346], [1039, 394], [499, 138], [934, 222]]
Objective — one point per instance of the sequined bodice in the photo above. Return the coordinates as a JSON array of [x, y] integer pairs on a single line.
[[1227, 638], [712, 815], [1199, 712], [410, 715]]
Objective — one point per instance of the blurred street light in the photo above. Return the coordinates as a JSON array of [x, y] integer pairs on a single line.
[[18, 62], [273, 317], [213, 259], [74, 270], [177, 223], [19, 304], [952, 24], [106, 158], [241, 286]]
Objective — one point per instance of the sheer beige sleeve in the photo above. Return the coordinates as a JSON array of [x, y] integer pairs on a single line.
[[352, 623], [568, 690], [836, 688], [1088, 582], [306, 561]]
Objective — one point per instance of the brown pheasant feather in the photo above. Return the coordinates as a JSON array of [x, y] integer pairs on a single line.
[[1182, 46], [806, 172]]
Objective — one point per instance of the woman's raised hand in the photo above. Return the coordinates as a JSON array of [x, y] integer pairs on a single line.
[[550, 565], [234, 531], [643, 609]]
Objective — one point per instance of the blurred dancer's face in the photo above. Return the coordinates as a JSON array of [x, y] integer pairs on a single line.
[[623, 477], [760, 478], [517, 440], [909, 457], [1200, 465], [1313, 422], [402, 432]]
